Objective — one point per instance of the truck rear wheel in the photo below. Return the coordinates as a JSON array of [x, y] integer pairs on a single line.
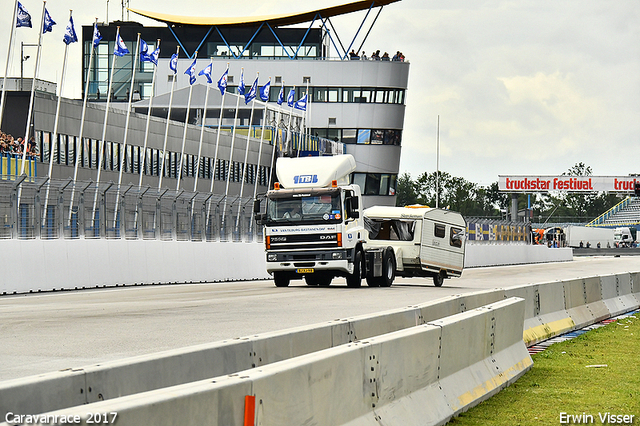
[[388, 268], [281, 279], [355, 279]]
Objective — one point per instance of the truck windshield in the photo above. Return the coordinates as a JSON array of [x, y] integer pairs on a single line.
[[306, 207]]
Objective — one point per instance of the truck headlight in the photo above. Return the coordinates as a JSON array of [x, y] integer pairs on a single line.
[[336, 255], [272, 257]]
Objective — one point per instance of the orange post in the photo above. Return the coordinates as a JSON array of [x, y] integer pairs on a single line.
[[249, 410]]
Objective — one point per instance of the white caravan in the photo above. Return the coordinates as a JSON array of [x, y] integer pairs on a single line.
[[426, 242]]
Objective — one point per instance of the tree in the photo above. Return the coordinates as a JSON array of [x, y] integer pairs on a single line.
[[405, 191]]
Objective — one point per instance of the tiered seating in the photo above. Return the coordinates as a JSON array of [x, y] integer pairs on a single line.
[[627, 215]]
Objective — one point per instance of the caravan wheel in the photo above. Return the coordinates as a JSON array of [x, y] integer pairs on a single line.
[[438, 280]]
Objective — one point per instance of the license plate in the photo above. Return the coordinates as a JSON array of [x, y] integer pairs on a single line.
[[305, 270]]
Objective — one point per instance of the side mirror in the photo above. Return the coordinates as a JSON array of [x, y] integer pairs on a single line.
[[352, 208], [256, 206]]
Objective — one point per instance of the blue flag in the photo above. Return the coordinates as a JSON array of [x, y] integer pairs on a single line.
[[281, 96], [191, 72], [48, 22], [291, 97], [23, 19], [144, 50], [222, 83], [241, 87], [121, 48], [153, 56], [301, 104], [96, 36], [251, 94], [70, 35], [173, 63], [206, 71], [264, 92]]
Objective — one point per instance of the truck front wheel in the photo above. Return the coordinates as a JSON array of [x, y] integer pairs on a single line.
[[281, 279], [355, 279]]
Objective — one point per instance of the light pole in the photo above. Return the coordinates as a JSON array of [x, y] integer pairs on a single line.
[[22, 59]]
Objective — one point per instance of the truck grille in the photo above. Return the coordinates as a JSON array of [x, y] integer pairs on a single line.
[[308, 241]]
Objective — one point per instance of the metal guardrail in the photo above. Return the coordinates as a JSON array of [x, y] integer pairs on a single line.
[[50, 209]]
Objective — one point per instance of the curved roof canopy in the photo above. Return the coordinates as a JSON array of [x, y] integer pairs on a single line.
[[274, 20]]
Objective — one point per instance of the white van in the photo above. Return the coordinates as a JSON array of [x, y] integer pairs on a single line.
[[427, 242]]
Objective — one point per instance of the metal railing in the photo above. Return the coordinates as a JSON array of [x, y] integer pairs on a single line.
[[41, 208]]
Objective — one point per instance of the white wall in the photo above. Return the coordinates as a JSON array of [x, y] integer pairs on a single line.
[[42, 265], [487, 254]]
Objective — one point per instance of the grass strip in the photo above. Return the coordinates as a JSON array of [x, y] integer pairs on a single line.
[[586, 377]]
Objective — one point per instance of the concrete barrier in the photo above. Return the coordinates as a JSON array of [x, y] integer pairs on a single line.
[[77, 264], [381, 380], [612, 294], [169, 368], [469, 370], [575, 302], [548, 309]]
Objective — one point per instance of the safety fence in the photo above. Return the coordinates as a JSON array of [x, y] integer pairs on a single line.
[[44, 208]]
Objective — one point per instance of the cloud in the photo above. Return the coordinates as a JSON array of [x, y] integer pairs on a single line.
[[553, 95]]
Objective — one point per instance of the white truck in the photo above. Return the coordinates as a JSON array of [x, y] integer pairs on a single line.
[[314, 228], [624, 236], [587, 236]]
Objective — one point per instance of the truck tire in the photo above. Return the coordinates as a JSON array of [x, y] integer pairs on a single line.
[[281, 279], [373, 281], [388, 268], [311, 279], [325, 280], [355, 279], [438, 280]]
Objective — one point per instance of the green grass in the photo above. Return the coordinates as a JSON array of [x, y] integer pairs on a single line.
[[560, 381]]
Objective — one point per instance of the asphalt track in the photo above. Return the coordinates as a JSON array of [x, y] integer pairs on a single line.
[[52, 331]]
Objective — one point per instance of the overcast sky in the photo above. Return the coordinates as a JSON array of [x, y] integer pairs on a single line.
[[521, 87]]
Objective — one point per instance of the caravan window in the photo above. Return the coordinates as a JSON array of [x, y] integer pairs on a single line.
[[439, 230], [392, 230], [456, 237]]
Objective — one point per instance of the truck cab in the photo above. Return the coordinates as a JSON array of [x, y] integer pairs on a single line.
[[312, 224]]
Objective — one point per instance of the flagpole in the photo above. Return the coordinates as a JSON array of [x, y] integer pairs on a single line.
[[126, 132], [81, 140], [55, 128], [264, 121], [186, 125], [33, 87], [100, 147], [146, 130], [289, 130], [275, 141], [215, 157], [246, 156], [204, 118], [233, 139], [6, 68], [438, 164], [166, 129]]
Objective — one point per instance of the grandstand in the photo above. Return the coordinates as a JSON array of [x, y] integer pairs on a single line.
[[626, 212]]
